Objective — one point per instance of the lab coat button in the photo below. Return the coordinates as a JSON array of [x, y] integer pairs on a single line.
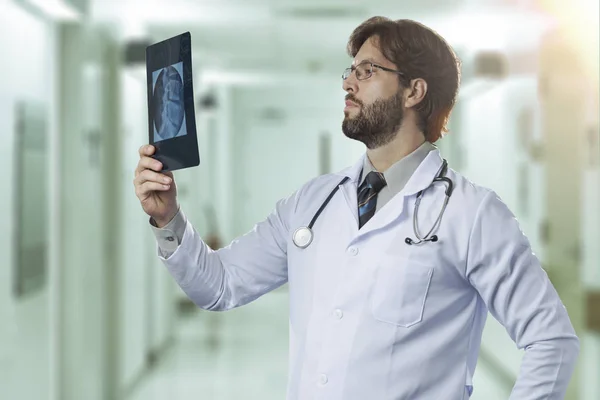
[[170, 238], [323, 379], [353, 251], [339, 314]]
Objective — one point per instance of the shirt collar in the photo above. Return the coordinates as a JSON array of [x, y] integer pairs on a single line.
[[397, 175], [419, 178]]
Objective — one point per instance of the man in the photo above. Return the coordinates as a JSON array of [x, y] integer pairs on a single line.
[[374, 312]]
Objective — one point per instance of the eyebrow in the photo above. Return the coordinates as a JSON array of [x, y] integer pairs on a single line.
[[369, 59]]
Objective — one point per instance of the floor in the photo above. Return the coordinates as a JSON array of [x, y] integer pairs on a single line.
[[246, 357]]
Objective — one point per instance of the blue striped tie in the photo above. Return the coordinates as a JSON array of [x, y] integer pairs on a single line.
[[367, 196]]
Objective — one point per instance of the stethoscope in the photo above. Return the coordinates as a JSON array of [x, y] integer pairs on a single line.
[[440, 177], [304, 235]]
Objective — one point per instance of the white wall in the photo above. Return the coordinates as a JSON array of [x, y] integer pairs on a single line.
[[146, 294], [590, 266], [27, 45], [590, 359], [134, 269], [83, 318]]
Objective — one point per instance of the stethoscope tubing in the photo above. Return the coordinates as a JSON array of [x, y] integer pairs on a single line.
[[438, 178], [333, 192]]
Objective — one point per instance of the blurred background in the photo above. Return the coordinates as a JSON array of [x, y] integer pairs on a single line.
[[88, 312]]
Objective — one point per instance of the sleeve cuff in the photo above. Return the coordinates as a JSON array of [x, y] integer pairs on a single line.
[[170, 236]]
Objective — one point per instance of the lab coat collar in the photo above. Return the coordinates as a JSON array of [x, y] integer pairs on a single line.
[[424, 174], [353, 172]]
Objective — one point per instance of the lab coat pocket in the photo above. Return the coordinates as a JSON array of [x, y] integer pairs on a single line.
[[399, 293]]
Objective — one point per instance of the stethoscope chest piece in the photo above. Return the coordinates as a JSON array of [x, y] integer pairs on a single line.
[[303, 236]]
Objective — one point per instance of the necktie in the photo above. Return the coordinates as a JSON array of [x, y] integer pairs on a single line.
[[367, 196]]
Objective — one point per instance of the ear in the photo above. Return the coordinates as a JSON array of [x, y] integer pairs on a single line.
[[415, 92]]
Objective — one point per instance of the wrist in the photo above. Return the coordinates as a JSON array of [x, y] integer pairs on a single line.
[[162, 222]]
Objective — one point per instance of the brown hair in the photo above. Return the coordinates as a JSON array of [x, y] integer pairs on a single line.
[[418, 52]]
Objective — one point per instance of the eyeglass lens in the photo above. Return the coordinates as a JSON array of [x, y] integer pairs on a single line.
[[363, 71]]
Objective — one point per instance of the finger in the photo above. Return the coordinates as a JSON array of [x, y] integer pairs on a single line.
[[146, 150], [151, 163], [151, 176], [147, 187], [147, 163]]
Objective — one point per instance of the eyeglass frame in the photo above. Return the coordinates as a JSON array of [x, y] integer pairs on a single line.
[[353, 68]]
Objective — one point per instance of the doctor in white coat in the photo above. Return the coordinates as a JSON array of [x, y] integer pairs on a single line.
[[375, 312]]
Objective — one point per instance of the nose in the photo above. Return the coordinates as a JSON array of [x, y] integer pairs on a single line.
[[350, 83]]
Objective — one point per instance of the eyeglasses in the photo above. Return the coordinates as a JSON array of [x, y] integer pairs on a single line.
[[364, 71]]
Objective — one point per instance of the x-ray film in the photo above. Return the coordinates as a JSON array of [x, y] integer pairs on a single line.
[[171, 115]]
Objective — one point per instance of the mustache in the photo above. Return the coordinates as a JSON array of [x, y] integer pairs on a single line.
[[351, 98]]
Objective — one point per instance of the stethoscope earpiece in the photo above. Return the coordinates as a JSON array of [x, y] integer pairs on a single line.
[[410, 242]]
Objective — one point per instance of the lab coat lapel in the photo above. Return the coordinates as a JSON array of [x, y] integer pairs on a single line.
[[394, 208], [349, 189]]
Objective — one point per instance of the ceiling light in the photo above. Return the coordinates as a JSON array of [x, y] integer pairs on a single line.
[[55, 9]]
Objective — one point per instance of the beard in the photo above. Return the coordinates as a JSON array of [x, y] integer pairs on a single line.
[[376, 124]]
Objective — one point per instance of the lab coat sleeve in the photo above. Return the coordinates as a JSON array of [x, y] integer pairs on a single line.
[[250, 266], [508, 276]]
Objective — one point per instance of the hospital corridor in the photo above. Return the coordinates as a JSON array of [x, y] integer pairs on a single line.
[[89, 310]]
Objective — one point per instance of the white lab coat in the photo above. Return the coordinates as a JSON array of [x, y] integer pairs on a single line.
[[374, 318]]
